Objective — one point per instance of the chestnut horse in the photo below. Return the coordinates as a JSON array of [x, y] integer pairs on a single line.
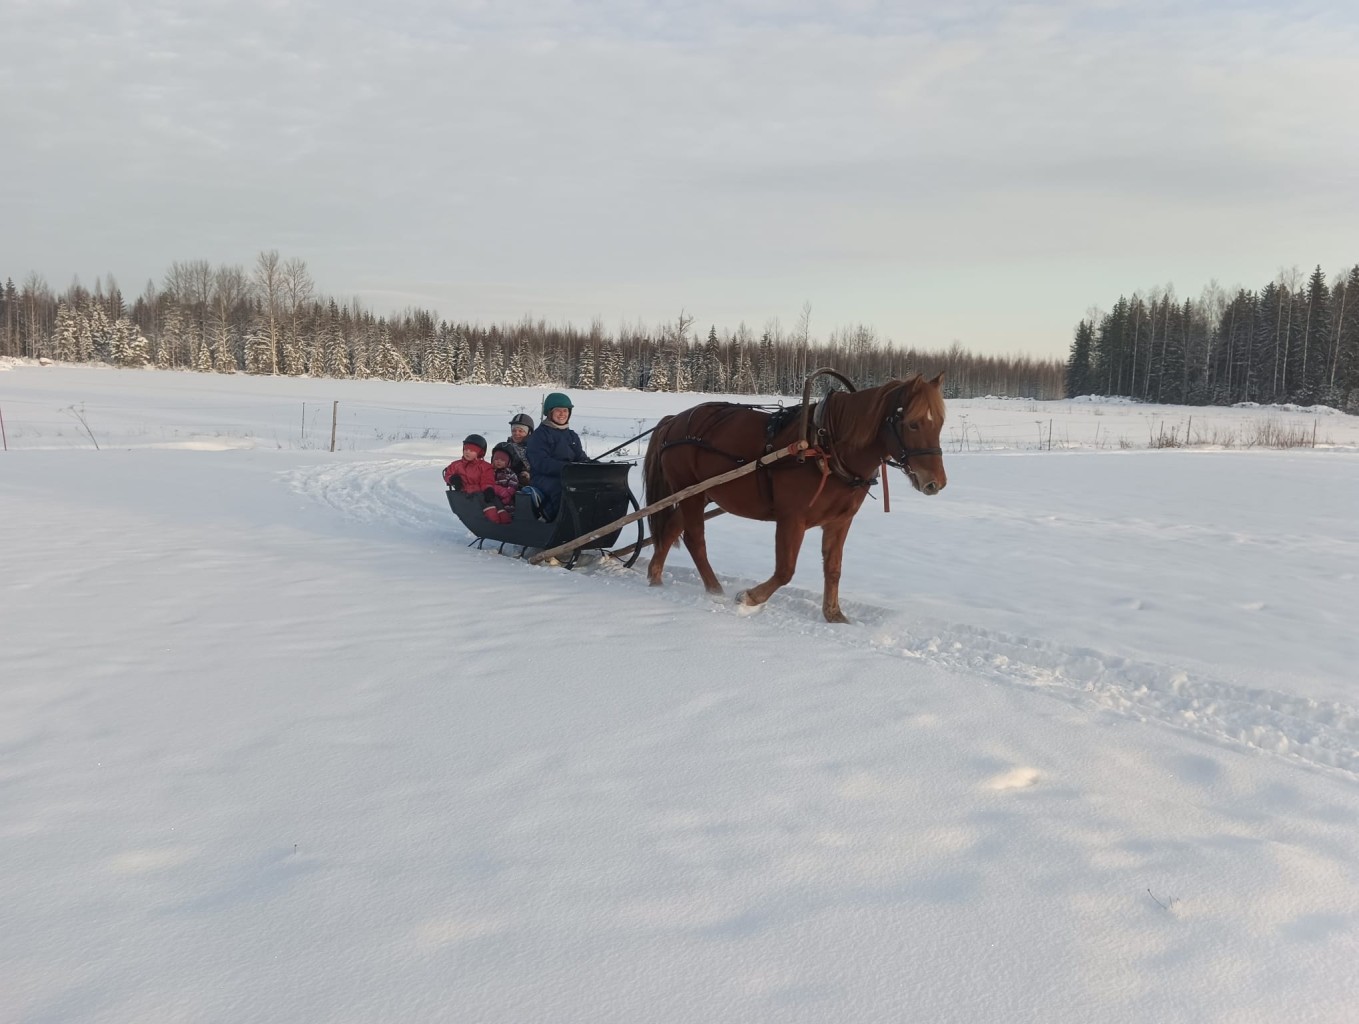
[[853, 434]]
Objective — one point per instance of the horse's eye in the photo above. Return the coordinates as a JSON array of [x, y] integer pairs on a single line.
[[913, 425]]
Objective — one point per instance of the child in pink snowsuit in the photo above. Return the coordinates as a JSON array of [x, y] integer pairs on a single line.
[[506, 483]]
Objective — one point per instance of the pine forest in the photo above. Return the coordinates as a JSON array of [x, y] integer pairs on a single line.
[[1291, 342]]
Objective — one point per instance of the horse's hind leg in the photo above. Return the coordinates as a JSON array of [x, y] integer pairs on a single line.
[[696, 541], [788, 536], [661, 545]]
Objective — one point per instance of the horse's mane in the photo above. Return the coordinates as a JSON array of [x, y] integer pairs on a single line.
[[858, 418]]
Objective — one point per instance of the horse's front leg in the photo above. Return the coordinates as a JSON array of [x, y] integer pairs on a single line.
[[788, 536], [832, 557]]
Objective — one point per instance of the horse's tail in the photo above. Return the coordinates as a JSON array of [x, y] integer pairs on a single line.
[[656, 486]]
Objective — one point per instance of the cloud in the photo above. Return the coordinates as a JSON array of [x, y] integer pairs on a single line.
[[655, 151]]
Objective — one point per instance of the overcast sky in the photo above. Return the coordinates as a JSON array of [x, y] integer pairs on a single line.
[[971, 171]]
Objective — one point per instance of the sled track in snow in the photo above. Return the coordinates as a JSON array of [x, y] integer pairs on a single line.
[[375, 492], [1315, 734]]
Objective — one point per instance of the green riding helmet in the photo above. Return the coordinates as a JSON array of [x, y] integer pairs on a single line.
[[556, 400]]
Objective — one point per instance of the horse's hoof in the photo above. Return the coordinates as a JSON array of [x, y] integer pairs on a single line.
[[837, 617], [745, 606]]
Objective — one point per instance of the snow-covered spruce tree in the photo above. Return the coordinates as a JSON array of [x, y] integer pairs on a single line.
[[492, 360], [477, 373], [361, 343], [659, 378], [585, 369], [84, 349], [65, 340], [259, 358], [334, 345], [683, 375], [437, 358], [462, 354], [100, 332], [174, 347], [514, 370], [610, 367], [128, 347], [743, 379], [388, 363], [634, 375], [292, 356], [202, 358], [766, 365], [223, 348]]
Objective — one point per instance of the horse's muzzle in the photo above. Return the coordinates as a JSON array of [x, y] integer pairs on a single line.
[[928, 485]]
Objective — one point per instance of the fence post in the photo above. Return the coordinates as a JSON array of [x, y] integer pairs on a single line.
[[5, 437], [334, 418], [304, 421]]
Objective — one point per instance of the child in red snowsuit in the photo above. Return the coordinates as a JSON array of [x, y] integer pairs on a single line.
[[472, 473]]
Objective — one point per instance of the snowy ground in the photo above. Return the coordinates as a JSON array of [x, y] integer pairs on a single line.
[[276, 745]]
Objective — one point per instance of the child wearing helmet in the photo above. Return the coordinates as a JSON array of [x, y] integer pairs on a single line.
[[471, 473], [520, 428], [551, 446], [506, 483]]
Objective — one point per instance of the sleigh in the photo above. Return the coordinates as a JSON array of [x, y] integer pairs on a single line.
[[595, 499]]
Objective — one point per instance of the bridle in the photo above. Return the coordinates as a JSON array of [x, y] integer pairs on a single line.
[[904, 454]]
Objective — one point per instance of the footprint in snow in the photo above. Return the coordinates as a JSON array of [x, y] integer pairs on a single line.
[[1015, 778]]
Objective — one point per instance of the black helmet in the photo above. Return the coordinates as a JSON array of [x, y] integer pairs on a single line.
[[523, 420], [477, 440]]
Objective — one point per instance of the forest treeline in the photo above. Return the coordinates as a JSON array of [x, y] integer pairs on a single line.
[[271, 319], [1293, 341]]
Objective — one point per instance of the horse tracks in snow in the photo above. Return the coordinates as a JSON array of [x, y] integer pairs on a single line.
[[1321, 735]]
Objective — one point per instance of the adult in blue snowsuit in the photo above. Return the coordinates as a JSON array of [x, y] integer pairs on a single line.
[[551, 446]]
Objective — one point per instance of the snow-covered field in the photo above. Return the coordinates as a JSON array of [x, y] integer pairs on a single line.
[[276, 745]]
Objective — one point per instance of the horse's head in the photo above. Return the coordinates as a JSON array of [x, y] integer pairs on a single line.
[[913, 426]]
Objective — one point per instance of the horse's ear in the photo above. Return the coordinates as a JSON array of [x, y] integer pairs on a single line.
[[938, 381]]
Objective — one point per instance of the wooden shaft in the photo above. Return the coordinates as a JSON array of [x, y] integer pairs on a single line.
[[646, 542], [673, 499]]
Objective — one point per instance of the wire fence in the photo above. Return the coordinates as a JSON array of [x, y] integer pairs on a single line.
[[312, 425], [356, 426]]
